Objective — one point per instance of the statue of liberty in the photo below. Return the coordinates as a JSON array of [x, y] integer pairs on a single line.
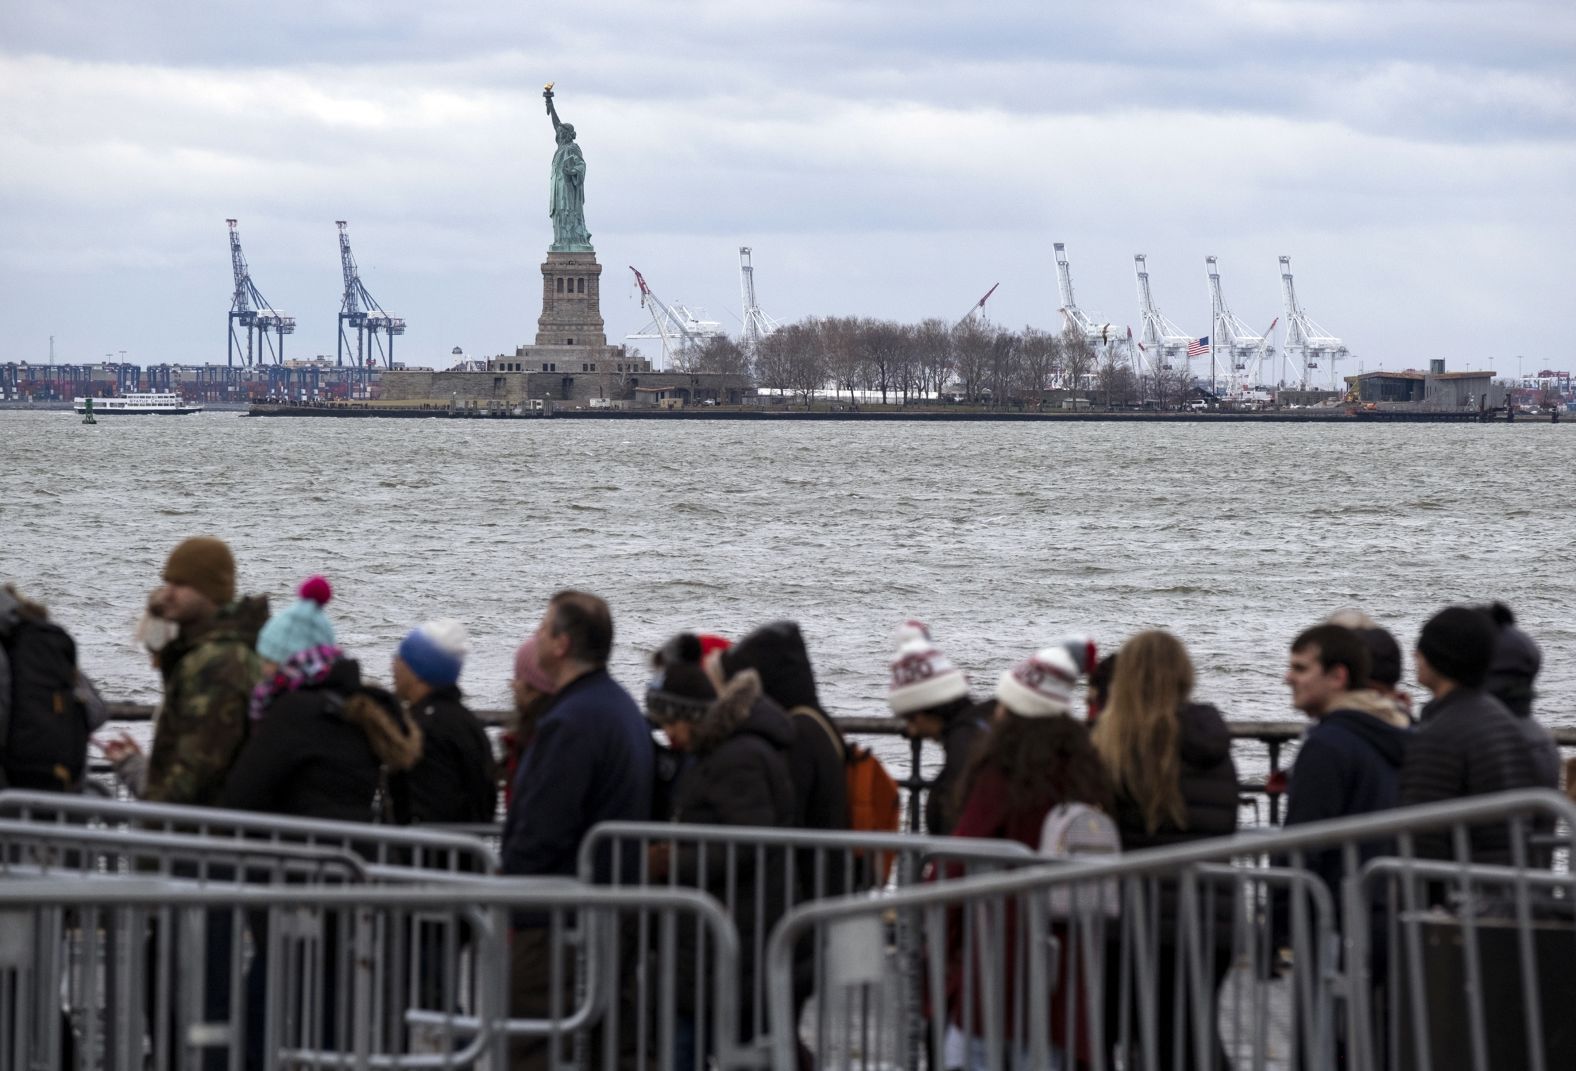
[[567, 200]]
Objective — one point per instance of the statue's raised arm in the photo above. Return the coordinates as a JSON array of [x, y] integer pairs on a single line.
[[552, 112]]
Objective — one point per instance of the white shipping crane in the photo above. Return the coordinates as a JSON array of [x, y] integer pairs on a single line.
[[1165, 343], [679, 329], [757, 325], [1237, 353], [1306, 342], [1096, 333]]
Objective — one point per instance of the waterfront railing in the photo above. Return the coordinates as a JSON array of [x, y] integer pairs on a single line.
[[1258, 745]]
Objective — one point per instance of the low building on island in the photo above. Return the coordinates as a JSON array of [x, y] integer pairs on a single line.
[[1434, 389]]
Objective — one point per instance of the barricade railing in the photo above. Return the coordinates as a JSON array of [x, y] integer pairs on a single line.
[[1192, 955], [1488, 982], [382, 845], [758, 873], [124, 973], [30, 849]]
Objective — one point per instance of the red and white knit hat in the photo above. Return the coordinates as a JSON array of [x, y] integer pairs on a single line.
[[922, 677], [1041, 685]]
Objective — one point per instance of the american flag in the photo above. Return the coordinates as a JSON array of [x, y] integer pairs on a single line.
[[1198, 347]]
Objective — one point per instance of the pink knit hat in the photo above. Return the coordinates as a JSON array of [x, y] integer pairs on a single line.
[[529, 671]]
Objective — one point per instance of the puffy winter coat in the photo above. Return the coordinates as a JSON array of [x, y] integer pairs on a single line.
[[817, 755], [1467, 744], [456, 779], [325, 751], [739, 778], [1208, 780]]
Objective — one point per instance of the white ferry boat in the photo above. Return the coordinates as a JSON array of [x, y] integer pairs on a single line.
[[152, 403]]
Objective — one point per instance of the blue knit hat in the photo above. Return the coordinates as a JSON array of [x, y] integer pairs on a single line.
[[300, 626], [435, 651]]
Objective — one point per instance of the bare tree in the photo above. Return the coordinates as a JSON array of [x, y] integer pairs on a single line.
[[883, 344], [1078, 361], [774, 361], [933, 355], [840, 350], [1115, 378], [972, 346], [808, 369], [718, 354], [1039, 358], [1003, 367]]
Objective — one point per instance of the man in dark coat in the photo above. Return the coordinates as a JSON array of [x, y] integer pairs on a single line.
[[1467, 744], [1350, 759], [930, 693], [591, 761], [455, 781]]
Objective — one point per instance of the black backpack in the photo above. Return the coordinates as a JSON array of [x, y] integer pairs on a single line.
[[46, 746]]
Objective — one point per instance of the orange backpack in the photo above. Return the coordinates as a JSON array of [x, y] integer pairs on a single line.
[[874, 803]]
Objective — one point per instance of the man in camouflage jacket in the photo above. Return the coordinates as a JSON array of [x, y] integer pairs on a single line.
[[209, 670]]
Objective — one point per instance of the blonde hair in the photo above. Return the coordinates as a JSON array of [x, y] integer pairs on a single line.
[[1138, 735]]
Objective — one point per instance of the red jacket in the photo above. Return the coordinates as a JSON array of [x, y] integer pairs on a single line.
[[988, 814]]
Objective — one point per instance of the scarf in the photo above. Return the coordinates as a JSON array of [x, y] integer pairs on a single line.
[[301, 670]]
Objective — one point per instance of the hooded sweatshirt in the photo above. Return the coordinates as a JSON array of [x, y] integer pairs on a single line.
[[1349, 763]]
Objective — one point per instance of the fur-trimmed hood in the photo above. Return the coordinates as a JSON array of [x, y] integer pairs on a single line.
[[742, 707], [395, 739]]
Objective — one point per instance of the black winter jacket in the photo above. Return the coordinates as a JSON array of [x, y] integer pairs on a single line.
[[958, 739], [1209, 786], [1467, 744], [318, 752], [1349, 763], [456, 779], [739, 778], [817, 755], [1209, 794]]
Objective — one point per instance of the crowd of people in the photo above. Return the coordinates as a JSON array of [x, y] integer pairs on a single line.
[[266, 712]]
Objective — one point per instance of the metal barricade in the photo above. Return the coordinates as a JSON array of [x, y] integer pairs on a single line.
[[1210, 953], [322, 981], [48, 849], [389, 847], [1475, 967]]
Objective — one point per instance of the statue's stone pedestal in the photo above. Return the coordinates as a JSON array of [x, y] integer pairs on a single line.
[[571, 301]]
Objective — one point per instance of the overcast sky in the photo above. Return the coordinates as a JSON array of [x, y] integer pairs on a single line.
[[1417, 160]]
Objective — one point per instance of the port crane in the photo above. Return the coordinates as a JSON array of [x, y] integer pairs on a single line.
[[1094, 332], [1163, 341], [1237, 353], [251, 312], [757, 325], [1306, 342], [679, 329], [977, 307], [359, 310]]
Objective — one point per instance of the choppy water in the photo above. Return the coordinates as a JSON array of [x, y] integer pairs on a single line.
[[1002, 536]]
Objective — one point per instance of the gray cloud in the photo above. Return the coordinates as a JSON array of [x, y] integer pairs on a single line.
[[1416, 159]]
